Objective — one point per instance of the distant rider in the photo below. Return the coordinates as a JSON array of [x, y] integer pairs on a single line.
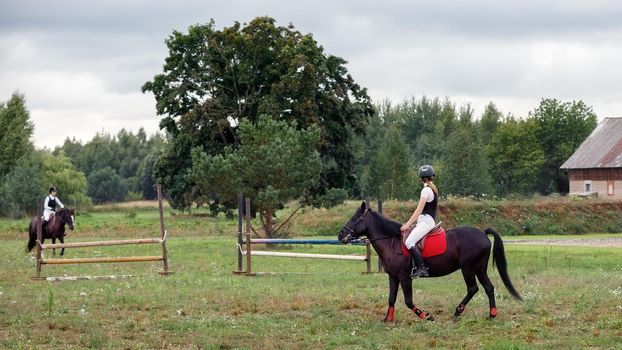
[[50, 204], [425, 214]]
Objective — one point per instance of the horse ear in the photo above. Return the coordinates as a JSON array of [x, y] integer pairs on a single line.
[[365, 206]]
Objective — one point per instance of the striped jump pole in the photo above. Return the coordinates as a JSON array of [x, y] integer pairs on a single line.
[[244, 246]]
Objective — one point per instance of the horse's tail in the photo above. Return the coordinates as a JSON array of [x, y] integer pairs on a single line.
[[498, 258], [32, 241]]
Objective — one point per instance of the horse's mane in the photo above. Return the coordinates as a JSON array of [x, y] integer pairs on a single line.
[[388, 226], [62, 211]]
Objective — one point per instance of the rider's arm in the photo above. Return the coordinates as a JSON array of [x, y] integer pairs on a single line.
[[416, 214], [45, 203], [59, 203]]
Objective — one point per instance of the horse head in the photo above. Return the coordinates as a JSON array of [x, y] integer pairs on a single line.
[[66, 216], [357, 225]]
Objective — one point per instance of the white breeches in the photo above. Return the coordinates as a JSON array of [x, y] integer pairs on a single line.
[[47, 214], [425, 223]]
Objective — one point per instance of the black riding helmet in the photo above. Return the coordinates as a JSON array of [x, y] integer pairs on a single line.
[[426, 171], [52, 189]]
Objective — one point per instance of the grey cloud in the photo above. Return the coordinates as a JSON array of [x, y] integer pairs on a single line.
[[515, 52]]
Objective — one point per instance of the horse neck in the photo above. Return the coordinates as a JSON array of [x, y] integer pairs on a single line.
[[381, 228], [382, 233], [58, 223]]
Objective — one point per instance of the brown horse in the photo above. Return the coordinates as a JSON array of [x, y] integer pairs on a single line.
[[54, 229], [468, 249]]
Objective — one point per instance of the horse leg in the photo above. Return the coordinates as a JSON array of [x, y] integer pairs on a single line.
[[53, 242], [407, 288], [472, 288], [393, 288], [62, 240], [482, 276]]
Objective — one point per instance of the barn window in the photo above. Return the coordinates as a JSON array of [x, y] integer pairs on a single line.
[[610, 188], [588, 186]]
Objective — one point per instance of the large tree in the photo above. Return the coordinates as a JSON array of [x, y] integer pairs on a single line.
[[214, 79], [389, 175], [22, 189], [15, 132], [466, 170], [562, 127], [59, 171], [273, 164], [515, 156]]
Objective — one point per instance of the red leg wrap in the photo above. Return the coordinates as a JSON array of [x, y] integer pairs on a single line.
[[493, 312], [422, 314], [390, 314]]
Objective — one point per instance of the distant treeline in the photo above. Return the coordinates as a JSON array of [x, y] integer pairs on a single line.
[[488, 155], [104, 169]]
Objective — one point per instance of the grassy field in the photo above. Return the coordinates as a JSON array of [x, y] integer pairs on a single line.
[[573, 296]]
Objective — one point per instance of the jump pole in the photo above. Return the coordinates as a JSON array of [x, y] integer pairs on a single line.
[[249, 242], [161, 240]]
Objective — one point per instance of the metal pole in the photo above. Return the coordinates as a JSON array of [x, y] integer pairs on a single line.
[[162, 232]]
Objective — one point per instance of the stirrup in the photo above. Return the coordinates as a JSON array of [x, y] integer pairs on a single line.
[[419, 272]]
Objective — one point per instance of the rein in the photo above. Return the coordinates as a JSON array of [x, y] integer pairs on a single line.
[[357, 221], [60, 218]]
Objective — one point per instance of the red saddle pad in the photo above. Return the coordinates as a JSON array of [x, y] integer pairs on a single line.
[[434, 243]]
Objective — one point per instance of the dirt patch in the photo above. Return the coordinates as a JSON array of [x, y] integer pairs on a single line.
[[579, 242]]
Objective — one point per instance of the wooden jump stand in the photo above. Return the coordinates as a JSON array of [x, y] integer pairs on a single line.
[[43, 261], [248, 242]]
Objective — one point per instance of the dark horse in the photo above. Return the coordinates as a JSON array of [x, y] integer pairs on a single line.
[[468, 249], [54, 229]]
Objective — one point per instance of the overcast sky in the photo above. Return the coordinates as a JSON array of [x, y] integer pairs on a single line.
[[81, 64]]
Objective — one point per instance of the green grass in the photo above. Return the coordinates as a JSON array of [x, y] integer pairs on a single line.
[[572, 295]]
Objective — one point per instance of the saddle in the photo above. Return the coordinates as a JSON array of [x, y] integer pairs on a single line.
[[432, 244]]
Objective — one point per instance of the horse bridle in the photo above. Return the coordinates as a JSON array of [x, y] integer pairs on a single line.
[[348, 238], [60, 218]]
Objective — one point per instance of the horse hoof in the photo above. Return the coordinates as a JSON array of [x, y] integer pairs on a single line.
[[457, 318], [430, 318]]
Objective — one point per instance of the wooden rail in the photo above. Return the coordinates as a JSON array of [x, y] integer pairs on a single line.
[[162, 240], [101, 243], [100, 260]]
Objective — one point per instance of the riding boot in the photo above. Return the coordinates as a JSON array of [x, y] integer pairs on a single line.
[[419, 270]]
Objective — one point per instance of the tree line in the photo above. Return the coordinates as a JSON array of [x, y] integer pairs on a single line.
[[492, 155], [104, 169], [263, 109]]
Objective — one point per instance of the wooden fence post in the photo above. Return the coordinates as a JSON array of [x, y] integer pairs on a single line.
[[162, 233], [38, 251]]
